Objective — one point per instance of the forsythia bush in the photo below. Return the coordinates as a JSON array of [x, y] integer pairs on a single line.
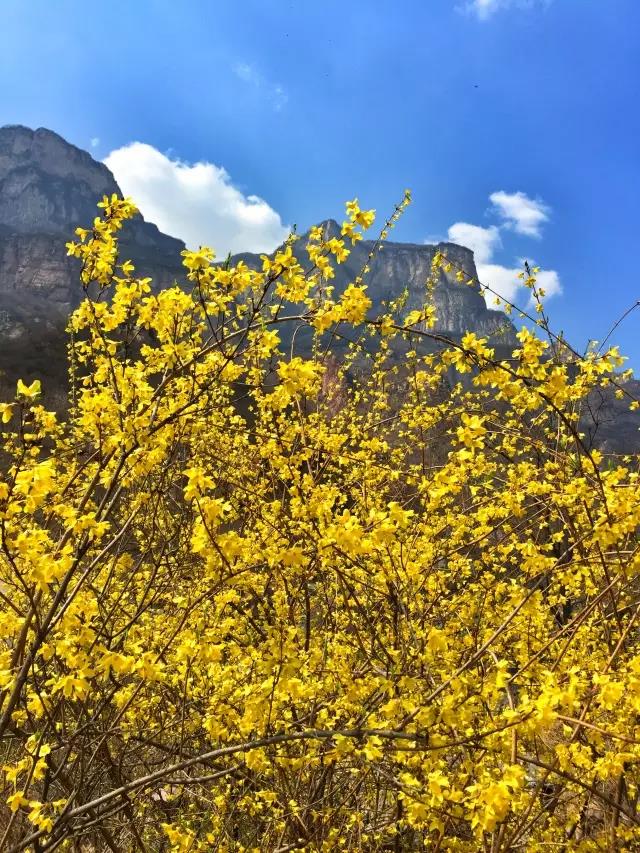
[[257, 597]]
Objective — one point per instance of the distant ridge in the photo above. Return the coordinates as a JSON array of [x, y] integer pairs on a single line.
[[459, 307]]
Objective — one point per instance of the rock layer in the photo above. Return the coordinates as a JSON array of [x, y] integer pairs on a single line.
[[47, 188]]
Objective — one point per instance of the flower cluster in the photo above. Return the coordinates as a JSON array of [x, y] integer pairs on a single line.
[[260, 597]]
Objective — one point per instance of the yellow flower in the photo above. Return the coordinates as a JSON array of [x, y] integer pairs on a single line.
[[247, 526], [299, 376], [472, 431], [29, 392], [17, 800], [354, 304]]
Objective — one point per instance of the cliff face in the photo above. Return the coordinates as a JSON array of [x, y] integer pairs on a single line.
[[459, 307], [45, 183], [47, 188]]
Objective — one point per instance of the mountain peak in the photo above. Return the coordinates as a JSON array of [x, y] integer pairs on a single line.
[[45, 147], [23, 130], [48, 185], [330, 229]]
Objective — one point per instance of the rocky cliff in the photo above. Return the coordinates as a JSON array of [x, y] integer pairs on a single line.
[[49, 187], [396, 266]]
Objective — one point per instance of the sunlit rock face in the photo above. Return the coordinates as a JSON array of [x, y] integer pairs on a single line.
[[459, 307], [47, 189], [47, 185]]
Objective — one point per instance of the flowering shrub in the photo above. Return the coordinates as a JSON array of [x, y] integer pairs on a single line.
[[254, 598]]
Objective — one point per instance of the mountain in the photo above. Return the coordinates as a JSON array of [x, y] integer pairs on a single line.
[[48, 187], [396, 266]]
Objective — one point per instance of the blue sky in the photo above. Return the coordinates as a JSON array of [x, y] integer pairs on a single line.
[[304, 105]]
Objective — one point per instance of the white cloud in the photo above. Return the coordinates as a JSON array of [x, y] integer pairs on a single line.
[[483, 241], [522, 215], [197, 202], [549, 281], [249, 74], [279, 97], [525, 215], [484, 9], [95, 141], [505, 282], [502, 280], [245, 72]]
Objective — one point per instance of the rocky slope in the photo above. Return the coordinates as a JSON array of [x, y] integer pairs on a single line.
[[459, 308]]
